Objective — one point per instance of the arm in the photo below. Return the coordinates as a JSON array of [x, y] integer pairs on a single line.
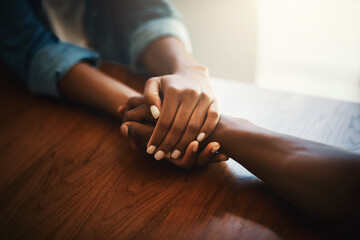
[[90, 86], [30, 49], [182, 94], [51, 67], [321, 180], [141, 127], [159, 44]]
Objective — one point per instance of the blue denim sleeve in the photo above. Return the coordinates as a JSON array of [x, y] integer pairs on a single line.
[[32, 51], [137, 23], [151, 31], [49, 65], [165, 21]]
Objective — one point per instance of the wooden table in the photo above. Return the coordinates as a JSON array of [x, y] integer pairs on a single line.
[[66, 172]]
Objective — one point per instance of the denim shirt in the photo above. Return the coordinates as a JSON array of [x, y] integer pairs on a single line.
[[116, 30]]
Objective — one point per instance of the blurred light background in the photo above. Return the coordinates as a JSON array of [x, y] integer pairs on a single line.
[[306, 46]]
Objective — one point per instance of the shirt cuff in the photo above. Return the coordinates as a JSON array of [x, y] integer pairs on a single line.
[[49, 65], [151, 31]]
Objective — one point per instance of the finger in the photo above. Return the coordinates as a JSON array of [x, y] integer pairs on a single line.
[[192, 130], [220, 157], [136, 130], [170, 107], [138, 114], [212, 118], [178, 126], [136, 133], [125, 132], [134, 102], [207, 154], [124, 129], [189, 158], [152, 95], [121, 111]]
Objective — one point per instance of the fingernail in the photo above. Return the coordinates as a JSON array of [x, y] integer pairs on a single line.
[[167, 155], [175, 154], [124, 130], [154, 111], [159, 155], [200, 137], [195, 146], [151, 149], [215, 149]]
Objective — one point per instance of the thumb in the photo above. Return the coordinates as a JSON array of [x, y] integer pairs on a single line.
[[152, 95], [137, 130]]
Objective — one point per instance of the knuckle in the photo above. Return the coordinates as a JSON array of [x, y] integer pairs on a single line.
[[151, 80], [166, 78], [213, 115], [172, 90], [191, 93], [148, 83], [193, 127], [177, 128], [205, 97]]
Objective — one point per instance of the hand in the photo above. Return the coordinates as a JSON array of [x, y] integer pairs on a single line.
[[138, 126], [189, 110]]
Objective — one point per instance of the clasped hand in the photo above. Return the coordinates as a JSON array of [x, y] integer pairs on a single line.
[[174, 111]]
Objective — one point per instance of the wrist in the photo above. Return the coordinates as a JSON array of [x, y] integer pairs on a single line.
[[167, 56], [89, 86], [191, 68], [229, 130]]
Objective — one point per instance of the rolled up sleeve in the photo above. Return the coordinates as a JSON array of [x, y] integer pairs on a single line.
[[153, 30], [49, 65], [31, 50], [133, 25], [139, 23]]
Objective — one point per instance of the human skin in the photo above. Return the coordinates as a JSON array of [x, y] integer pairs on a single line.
[[180, 95], [137, 110], [88, 85], [320, 180]]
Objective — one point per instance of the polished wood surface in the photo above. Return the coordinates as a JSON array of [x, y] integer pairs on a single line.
[[66, 172]]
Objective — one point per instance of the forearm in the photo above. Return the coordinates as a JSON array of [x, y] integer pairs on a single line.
[[319, 179], [90, 86], [168, 55]]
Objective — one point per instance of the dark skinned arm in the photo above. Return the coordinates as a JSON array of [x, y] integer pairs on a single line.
[[320, 180]]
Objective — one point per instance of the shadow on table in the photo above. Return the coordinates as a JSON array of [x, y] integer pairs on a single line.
[[234, 203]]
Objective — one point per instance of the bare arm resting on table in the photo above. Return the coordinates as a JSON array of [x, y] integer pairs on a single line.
[[320, 180], [89, 86], [92, 87]]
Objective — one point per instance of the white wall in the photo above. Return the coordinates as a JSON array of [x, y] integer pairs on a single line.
[[223, 33], [308, 46]]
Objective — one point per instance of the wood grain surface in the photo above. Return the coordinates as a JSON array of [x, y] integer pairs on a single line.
[[66, 172]]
